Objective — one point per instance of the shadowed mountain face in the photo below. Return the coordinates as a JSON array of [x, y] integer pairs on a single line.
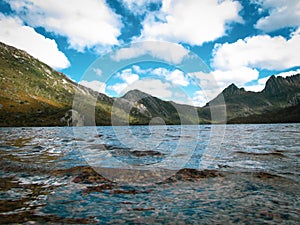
[[33, 94], [279, 93]]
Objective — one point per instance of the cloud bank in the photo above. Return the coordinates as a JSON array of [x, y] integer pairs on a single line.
[[86, 24], [14, 33]]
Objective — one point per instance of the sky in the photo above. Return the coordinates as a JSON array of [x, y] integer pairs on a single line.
[[242, 42]]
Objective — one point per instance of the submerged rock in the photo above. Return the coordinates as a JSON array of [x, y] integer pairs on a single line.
[[138, 153], [188, 174]]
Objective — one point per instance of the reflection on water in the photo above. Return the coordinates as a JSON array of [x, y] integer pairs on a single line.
[[253, 178]]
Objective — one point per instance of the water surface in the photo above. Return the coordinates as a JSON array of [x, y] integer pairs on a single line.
[[247, 175]]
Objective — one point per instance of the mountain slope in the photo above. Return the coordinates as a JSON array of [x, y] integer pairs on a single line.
[[170, 112], [33, 94]]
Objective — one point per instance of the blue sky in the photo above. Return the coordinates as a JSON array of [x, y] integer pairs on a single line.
[[241, 42]]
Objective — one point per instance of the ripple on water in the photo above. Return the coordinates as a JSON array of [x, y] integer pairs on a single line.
[[45, 179]]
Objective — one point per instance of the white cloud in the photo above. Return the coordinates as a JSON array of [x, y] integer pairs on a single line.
[[263, 52], [192, 22], [119, 88], [282, 13], [174, 76], [131, 81], [14, 33], [200, 99], [239, 76], [153, 87], [262, 81], [139, 7], [209, 86], [139, 70], [98, 71], [213, 83], [128, 76], [86, 24], [94, 85], [172, 53]]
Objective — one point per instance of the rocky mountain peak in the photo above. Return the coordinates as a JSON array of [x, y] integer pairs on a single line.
[[135, 95], [232, 89]]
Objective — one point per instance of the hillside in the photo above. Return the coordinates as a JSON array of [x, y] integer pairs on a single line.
[[33, 94], [31, 90]]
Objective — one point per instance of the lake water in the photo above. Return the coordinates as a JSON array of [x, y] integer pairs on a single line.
[[245, 174]]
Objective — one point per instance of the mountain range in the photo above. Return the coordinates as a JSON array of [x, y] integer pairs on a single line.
[[33, 94]]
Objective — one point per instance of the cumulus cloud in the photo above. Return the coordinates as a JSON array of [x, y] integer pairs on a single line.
[[282, 13], [174, 76], [192, 22], [263, 52], [94, 85], [172, 53], [86, 24], [14, 33]]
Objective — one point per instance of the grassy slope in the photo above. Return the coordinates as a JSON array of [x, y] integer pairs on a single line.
[[33, 94]]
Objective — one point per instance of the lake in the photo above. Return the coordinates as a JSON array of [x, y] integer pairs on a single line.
[[207, 174]]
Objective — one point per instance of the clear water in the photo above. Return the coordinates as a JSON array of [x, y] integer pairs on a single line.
[[249, 175]]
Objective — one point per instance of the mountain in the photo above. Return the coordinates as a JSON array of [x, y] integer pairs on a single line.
[[170, 112], [33, 94], [279, 93]]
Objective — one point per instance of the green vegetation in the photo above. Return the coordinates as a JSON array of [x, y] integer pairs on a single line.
[[33, 94]]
